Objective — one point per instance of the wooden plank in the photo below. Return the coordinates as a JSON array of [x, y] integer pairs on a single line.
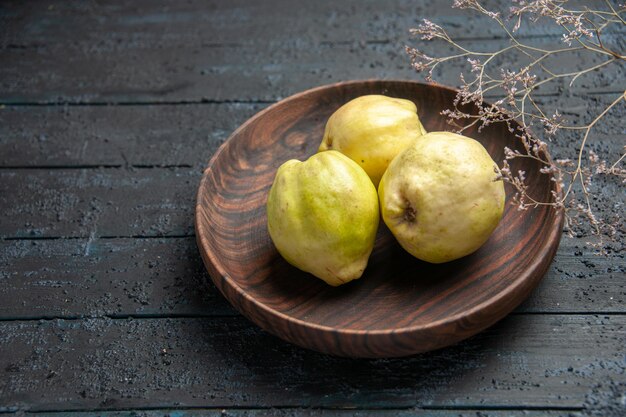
[[190, 134], [100, 202], [174, 72], [221, 74], [140, 135], [70, 278], [579, 280], [105, 277], [218, 23], [526, 361]]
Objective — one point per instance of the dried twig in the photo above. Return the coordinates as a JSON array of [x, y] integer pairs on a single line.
[[583, 32]]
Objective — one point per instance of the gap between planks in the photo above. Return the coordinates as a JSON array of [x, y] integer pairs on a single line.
[[228, 101], [460, 408], [137, 103], [175, 316], [97, 166], [180, 236]]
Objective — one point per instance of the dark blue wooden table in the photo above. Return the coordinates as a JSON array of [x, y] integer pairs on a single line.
[[109, 112]]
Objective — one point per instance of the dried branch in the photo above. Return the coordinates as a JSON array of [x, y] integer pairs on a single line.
[[583, 32]]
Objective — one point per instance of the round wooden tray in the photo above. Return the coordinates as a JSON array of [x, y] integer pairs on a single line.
[[400, 306]]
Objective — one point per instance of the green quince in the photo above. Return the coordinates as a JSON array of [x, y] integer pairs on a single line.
[[442, 197], [372, 130], [322, 215]]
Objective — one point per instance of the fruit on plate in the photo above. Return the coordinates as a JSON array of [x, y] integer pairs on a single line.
[[442, 197], [372, 130], [322, 215]]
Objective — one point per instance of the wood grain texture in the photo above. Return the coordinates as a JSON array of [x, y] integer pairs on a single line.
[[196, 61], [97, 202], [240, 22], [103, 364], [163, 135], [227, 74], [105, 278], [400, 306]]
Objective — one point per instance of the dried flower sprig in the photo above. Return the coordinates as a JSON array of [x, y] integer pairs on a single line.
[[515, 89]]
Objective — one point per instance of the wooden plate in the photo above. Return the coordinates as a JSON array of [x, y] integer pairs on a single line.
[[400, 306]]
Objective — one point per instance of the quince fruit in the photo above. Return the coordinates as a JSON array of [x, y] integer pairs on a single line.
[[372, 130], [322, 215], [442, 197]]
